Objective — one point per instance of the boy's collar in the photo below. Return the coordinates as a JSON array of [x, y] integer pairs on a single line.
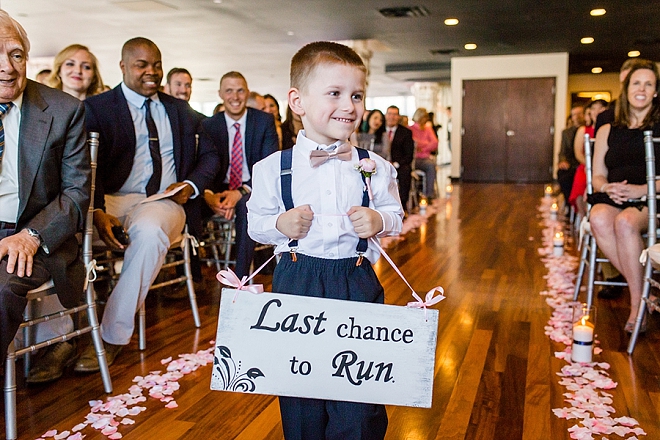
[[307, 145]]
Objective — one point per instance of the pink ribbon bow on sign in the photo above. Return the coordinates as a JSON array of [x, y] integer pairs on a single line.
[[419, 304], [229, 278], [343, 152], [430, 300]]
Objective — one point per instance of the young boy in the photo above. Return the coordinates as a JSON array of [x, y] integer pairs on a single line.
[[320, 217]]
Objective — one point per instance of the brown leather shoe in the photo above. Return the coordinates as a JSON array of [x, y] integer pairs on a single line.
[[89, 362], [51, 365]]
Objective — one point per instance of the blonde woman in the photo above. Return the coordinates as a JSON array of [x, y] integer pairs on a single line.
[[75, 71]]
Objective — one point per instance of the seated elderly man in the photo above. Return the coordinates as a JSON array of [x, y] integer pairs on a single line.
[[147, 146], [43, 201]]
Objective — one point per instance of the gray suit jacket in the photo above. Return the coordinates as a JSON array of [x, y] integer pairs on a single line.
[[54, 182]]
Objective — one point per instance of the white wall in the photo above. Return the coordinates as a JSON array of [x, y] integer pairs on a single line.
[[502, 67]]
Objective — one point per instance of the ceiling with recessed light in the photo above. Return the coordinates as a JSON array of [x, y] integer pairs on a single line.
[[258, 37]]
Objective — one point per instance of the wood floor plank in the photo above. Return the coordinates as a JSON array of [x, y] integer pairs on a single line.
[[267, 421], [457, 416], [537, 413]]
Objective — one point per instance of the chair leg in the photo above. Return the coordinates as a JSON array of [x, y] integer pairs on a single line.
[[593, 250], [97, 340], [28, 335], [189, 281], [10, 394], [583, 263], [142, 328], [648, 271], [214, 248]]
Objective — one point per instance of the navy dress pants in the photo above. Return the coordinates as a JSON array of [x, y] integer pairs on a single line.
[[313, 419]]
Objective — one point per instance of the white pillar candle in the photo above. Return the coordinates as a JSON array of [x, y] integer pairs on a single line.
[[558, 244], [448, 190], [583, 341], [553, 211]]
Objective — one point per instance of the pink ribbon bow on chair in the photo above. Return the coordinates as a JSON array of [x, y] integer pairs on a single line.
[[229, 278], [318, 157]]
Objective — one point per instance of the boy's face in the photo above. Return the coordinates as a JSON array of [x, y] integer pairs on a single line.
[[331, 104]]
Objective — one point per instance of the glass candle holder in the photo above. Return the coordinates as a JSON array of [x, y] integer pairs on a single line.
[[423, 203], [558, 244], [554, 209], [584, 323], [547, 192]]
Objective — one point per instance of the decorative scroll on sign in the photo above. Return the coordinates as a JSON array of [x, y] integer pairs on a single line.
[[298, 346]]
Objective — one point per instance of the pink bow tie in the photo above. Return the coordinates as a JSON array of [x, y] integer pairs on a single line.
[[343, 152]]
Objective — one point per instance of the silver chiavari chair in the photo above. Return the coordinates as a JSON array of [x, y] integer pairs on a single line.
[[48, 289], [650, 256]]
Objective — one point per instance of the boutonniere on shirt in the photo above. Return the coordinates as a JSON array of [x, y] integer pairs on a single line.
[[367, 167]]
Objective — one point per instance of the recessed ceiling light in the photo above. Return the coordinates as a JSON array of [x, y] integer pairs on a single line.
[[597, 70], [451, 21], [587, 40], [217, 1], [470, 46], [290, 33], [599, 12], [634, 53]]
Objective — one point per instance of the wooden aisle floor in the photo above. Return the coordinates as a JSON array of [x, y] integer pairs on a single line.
[[495, 368]]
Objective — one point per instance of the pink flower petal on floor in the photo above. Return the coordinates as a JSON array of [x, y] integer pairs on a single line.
[[166, 360], [172, 405], [127, 421], [626, 421], [115, 436], [76, 436], [62, 435], [49, 434], [79, 427], [109, 430]]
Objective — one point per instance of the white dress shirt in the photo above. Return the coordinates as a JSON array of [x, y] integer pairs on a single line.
[[231, 131], [391, 131], [330, 190], [11, 122], [143, 166]]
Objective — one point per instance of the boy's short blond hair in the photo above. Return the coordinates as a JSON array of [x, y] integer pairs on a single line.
[[317, 53]]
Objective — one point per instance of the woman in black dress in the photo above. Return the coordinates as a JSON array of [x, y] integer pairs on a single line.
[[619, 176]]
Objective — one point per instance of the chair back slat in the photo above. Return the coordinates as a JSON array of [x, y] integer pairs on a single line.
[[649, 148], [93, 141], [588, 166]]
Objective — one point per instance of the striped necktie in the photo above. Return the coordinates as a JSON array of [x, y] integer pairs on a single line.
[[4, 108], [236, 165]]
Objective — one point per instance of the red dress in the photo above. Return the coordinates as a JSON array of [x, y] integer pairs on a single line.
[[580, 179]]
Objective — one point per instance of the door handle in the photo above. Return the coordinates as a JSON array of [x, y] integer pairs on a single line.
[[510, 133]]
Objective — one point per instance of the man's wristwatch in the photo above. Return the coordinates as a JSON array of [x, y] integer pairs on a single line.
[[34, 233], [241, 189]]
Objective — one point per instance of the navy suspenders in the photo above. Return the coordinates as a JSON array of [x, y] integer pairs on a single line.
[[286, 159]]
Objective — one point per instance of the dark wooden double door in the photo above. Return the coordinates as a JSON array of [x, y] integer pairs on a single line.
[[508, 130]]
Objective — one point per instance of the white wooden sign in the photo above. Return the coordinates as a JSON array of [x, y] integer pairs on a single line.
[[289, 345]]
